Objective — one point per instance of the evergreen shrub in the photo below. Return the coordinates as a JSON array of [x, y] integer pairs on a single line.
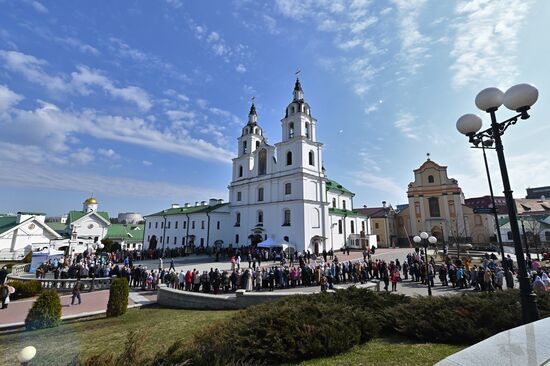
[[25, 289], [45, 312], [28, 258], [118, 297]]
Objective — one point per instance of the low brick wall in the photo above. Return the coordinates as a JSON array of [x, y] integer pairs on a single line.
[[170, 297]]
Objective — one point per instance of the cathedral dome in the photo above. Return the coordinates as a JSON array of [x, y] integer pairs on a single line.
[[90, 201]]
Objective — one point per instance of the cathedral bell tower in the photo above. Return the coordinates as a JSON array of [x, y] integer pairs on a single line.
[[251, 138], [298, 121]]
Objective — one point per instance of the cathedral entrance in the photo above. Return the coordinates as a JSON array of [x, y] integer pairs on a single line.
[[316, 244], [438, 233], [255, 239]]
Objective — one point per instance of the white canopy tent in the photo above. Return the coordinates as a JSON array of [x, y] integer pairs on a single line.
[[42, 256], [271, 243]]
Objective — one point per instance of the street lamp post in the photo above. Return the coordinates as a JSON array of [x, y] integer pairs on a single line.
[[519, 98], [426, 240], [527, 253]]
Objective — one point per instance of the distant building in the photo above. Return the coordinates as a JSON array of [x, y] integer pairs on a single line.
[[486, 203], [538, 192], [383, 222]]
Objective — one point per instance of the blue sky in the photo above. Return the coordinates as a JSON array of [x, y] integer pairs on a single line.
[[141, 102]]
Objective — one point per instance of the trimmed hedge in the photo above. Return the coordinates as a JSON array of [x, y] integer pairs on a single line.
[[290, 330], [45, 312], [460, 319], [24, 289], [118, 297]]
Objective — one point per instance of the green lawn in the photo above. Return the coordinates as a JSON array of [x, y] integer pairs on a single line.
[[57, 346], [162, 327], [392, 351]]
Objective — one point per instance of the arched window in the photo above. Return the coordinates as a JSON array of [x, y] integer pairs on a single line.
[[311, 158], [244, 147], [307, 130], [352, 223], [240, 171], [430, 178], [262, 166], [339, 226], [257, 144], [315, 222], [291, 128], [334, 203], [256, 131], [286, 217], [238, 219], [286, 239], [260, 217], [344, 204], [260, 194], [289, 158], [434, 207], [288, 188]]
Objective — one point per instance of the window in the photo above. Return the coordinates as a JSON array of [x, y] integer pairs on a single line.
[[377, 238], [256, 131], [311, 158], [156, 225], [202, 241], [334, 203], [363, 226], [376, 225], [185, 224], [286, 217], [344, 204], [434, 207], [286, 239], [149, 224], [307, 130], [260, 217], [239, 196], [430, 178], [262, 166], [193, 224], [183, 241], [315, 219], [162, 237], [175, 225], [162, 225], [148, 238], [237, 239], [509, 235], [257, 144], [547, 235], [289, 158], [202, 224], [168, 225], [240, 171], [218, 225], [244, 147], [291, 128], [167, 240], [340, 227], [175, 240], [238, 219], [260, 194], [288, 188], [352, 227]]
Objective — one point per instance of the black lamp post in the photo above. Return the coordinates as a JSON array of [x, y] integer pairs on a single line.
[[518, 98], [426, 240], [527, 253]]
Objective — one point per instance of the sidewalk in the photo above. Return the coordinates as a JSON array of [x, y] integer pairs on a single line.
[[93, 303]]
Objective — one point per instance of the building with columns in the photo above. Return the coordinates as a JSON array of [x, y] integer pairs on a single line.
[[277, 191], [437, 206]]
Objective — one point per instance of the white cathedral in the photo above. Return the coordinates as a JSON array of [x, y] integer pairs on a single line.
[[279, 193]]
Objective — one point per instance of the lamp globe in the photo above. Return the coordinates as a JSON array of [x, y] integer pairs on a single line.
[[417, 239], [520, 97], [469, 124], [432, 239], [424, 235], [489, 99]]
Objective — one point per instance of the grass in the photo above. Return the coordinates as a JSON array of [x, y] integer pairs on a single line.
[[161, 327], [387, 352], [57, 346]]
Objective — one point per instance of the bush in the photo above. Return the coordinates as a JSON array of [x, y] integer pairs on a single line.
[[132, 354], [118, 297], [24, 289], [460, 319], [45, 312], [289, 330]]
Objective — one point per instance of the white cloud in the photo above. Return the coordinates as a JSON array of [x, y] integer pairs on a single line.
[[79, 45], [406, 124], [85, 77], [108, 153], [146, 162], [83, 156], [240, 68], [176, 115], [485, 46], [39, 7], [16, 175], [8, 98]]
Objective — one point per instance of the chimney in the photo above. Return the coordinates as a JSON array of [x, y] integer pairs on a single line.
[[384, 204], [196, 203], [203, 203], [186, 205], [364, 206], [175, 205]]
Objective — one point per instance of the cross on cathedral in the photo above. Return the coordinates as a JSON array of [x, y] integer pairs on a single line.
[[298, 72], [252, 99], [428, 155]]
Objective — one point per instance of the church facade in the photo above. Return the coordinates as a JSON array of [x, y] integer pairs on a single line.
[[277, 191]]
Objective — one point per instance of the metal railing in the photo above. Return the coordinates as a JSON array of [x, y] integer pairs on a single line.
[[63, 285]]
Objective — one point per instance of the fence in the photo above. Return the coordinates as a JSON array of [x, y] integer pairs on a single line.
[[66, 285]]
